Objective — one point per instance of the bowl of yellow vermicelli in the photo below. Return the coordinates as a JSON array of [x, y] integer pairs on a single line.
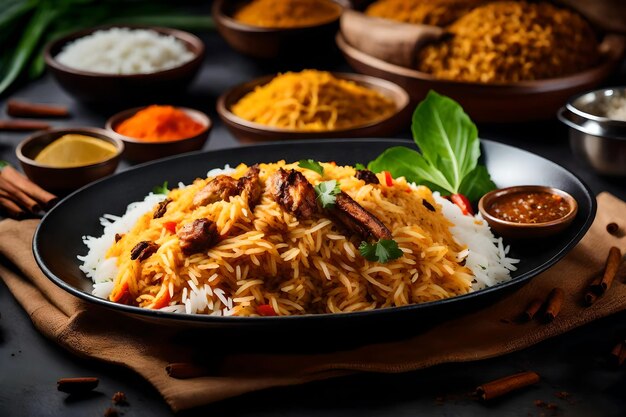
[[314, 104]]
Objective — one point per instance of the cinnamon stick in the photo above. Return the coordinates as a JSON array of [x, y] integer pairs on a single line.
[[507, 384], [612, 263], [11, 209], [45, 198], [18, 108], [22, 125], [77, 385], [184, 370], [532, 309], [553, 304], [10, 191], [612, 228], [590, 298]]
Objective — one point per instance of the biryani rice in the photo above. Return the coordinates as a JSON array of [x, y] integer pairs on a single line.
[[268, 256]]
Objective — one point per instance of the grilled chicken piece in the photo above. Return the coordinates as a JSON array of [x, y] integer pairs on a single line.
[[220, 188], [160, 210], [292, 191], [143, 250], [359, 220], [197, 236], [366, 175], [251, 184]]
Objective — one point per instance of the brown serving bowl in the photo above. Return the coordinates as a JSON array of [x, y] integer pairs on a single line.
[[269, 43], [62, 181], [141, 151], [94, 87], [247, 131], [515, 230], [496, 102]]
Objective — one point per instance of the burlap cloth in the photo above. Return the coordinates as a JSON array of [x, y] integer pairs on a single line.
[[147, 349]]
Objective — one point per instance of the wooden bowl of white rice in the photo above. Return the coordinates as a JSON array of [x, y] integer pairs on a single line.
[[136, 64]]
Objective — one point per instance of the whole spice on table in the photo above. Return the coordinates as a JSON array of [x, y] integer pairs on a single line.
[[77, 385], [18, 108], [507, 384], [119, 398], [160, 124], [610, 270], [22, 125], [612, 228], [19, 197], [553, 304], [533, 307]]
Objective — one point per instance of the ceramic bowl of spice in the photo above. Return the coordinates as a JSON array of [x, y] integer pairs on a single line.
[[112, 64], [597, 129], [528, 211], [157, 131], [63, 160], [270, 29]]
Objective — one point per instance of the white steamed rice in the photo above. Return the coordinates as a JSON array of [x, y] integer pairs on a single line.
[[124, 51]]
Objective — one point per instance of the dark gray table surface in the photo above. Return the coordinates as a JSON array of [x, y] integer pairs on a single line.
[[575, 362]]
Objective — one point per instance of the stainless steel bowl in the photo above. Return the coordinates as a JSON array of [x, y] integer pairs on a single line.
[[595, 138]]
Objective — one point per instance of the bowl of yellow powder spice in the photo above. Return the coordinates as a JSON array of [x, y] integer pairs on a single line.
[[269, 29]]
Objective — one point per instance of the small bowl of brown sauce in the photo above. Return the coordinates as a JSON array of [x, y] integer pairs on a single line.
[[528, 211]]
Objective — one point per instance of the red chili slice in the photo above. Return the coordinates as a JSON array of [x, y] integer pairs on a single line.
[[388, 178], [266, 310], [170, 226], [462, 201]]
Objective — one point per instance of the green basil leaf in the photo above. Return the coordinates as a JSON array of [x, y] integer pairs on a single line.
[[404, 162], [359, 166], [477, 183], [447, 138], [312, 165]]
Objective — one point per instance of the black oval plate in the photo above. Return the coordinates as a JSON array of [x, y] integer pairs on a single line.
[[58, 239]]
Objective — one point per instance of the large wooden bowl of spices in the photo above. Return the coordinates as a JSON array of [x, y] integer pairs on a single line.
[[156, 131], [314, 104], [270, 29], [502, 61], [124, 63]]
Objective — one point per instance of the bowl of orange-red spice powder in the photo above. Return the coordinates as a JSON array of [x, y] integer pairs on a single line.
[[157, 131]]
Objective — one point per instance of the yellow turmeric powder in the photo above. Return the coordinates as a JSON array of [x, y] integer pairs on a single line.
[[288, 13]]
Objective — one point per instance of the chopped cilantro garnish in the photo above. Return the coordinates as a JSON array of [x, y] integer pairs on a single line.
[[382, 251], [326, 193], [161, 189], [312, 165]]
